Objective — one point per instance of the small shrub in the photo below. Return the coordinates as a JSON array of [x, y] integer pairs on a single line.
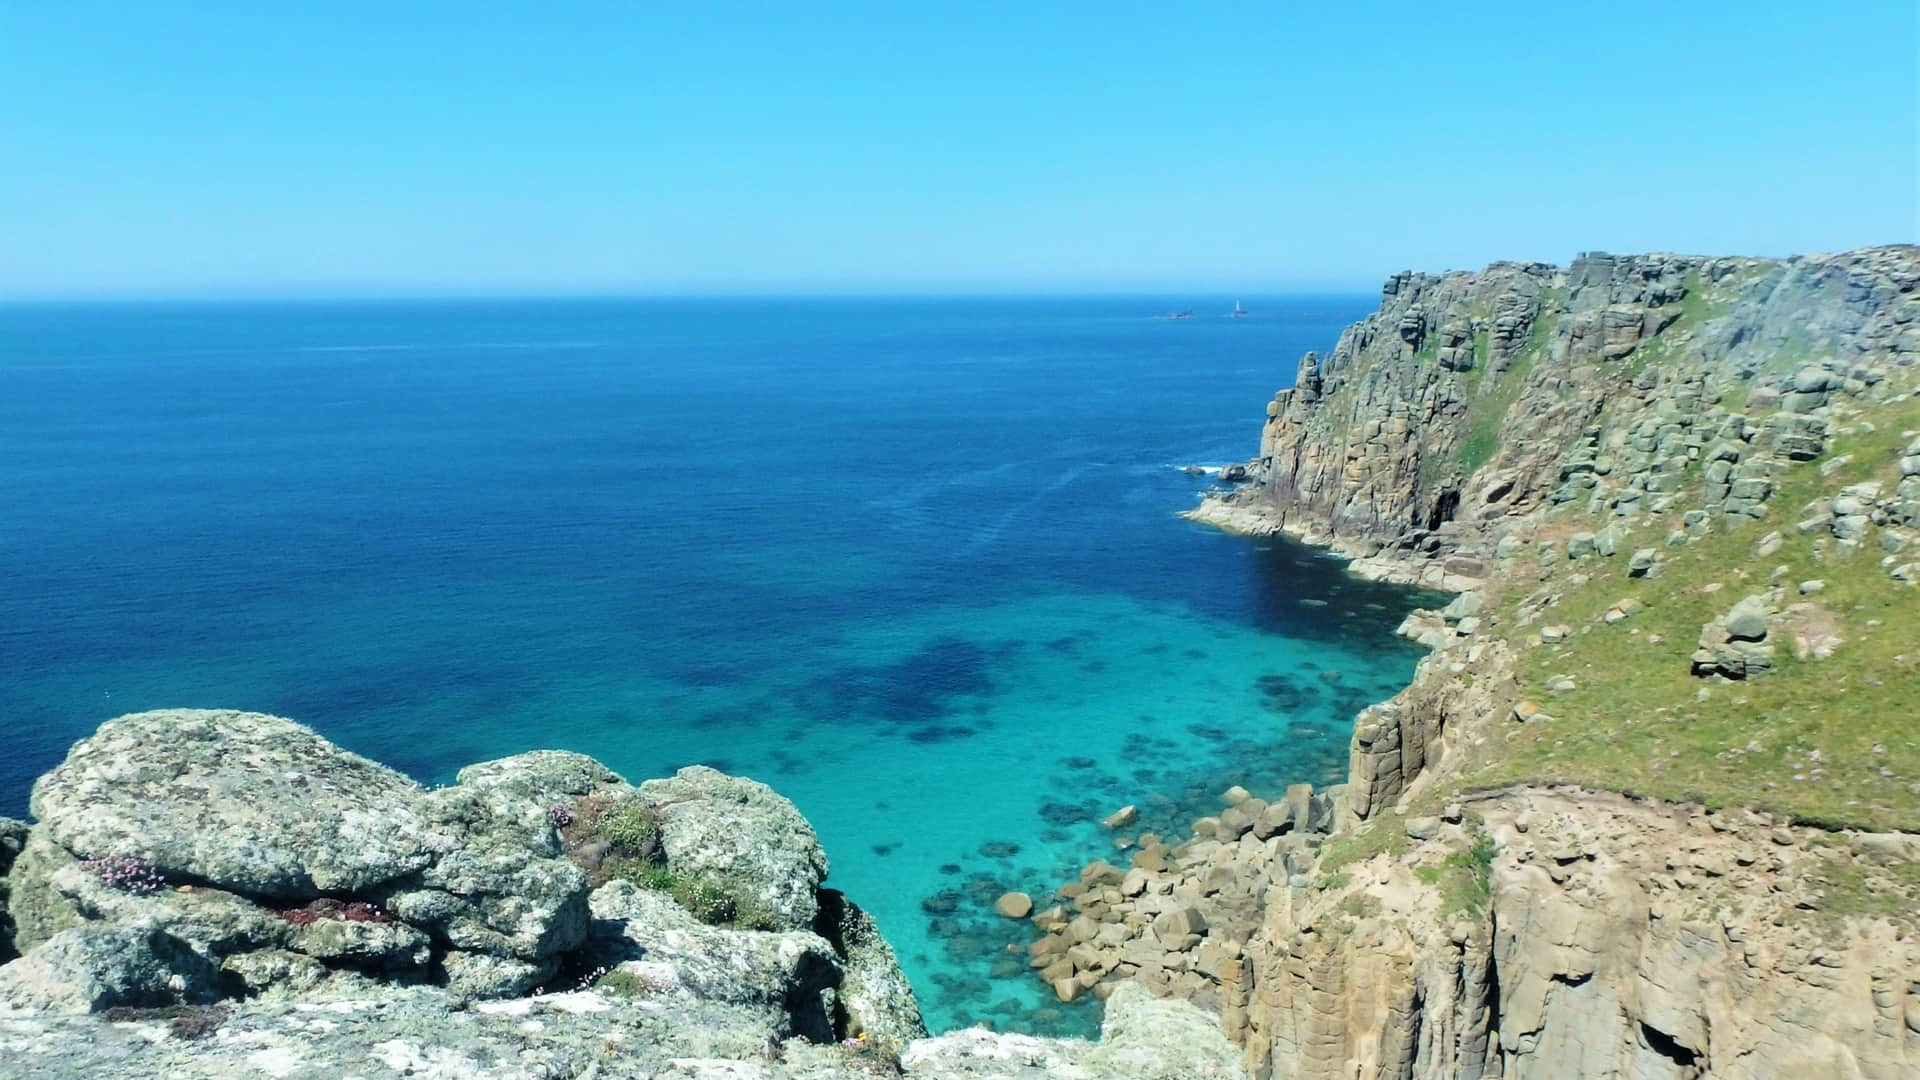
[[329, 909], [627, 984], [632, 828], [710, 900], [642, 872], [127, 874], [878, 1057]]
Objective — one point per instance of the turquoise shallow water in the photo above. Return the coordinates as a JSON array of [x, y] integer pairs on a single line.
[[914, 563]]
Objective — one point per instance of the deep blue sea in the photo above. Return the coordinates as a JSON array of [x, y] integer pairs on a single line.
[[912, 562]]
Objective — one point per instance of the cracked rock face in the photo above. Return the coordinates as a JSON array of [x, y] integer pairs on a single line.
[[291, 865], [155, 921], [1602, 951], [742, 831], [1594, 390], [249, 803]]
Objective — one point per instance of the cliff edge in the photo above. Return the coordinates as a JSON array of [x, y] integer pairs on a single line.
[[1648, 808], [212, 893]]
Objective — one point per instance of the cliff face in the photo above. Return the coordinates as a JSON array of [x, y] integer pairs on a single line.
[[1470, 397], [1647, 809]]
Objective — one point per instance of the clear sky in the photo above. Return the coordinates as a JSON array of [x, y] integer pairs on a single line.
[[346, 148]]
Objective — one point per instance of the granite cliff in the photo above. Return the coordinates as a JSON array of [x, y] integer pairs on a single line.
[[1649, 807]]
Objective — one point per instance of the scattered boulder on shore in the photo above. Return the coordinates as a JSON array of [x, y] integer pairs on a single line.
[[1014, 905]]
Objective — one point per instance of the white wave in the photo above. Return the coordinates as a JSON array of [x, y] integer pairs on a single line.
[[452, 345]]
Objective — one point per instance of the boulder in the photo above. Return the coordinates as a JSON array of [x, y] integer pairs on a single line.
[[506, 890], [1122, 817], [1748, 620], [742, 832], [873, 995], [546, 777], [658, 946], [1014, 905], [92, 968], [1178, 922], [267, 857], [250, 803]]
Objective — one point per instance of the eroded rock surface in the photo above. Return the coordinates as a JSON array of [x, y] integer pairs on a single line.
[[712, 823], [673, 1036], [229, 883]]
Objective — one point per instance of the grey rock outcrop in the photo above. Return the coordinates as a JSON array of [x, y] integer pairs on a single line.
[[284, 859], [248, 803], [1614, 384], [716, 824], [13, 837], [779, 980], [874, 998], [137, 892]]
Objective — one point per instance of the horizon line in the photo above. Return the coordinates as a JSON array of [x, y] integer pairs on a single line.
[[1167, 295]]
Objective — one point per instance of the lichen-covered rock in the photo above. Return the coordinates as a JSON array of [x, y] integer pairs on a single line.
[[744, 833], [1142, 1038], [420, 1032], [250, 803], [368, 976], [13, 837], [323, 863], [547, 777], [90, 968], [874, 998], [651, 942], [505, 889]]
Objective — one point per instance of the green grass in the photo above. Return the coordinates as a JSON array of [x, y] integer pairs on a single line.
[[1464, 879], [1638, 721], [1385, 833], [626, 984], [630, 827], [1488, 406], [1853, 886], [710, 900]]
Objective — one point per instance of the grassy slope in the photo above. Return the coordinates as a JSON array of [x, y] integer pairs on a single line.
[[1829, 741], [1639, 722]]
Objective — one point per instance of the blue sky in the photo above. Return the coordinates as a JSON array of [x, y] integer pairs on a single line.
[[440, 148]]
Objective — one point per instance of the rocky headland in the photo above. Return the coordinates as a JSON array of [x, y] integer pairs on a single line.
[[1649, 809]]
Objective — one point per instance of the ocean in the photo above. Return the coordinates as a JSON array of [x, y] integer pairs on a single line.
[[913, 562]]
